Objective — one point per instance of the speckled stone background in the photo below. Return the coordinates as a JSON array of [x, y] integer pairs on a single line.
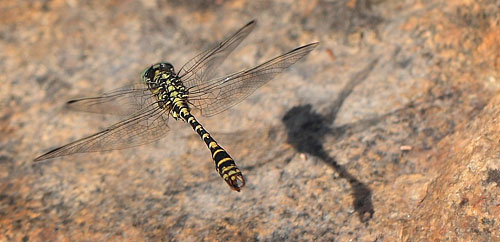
[[389, 130]]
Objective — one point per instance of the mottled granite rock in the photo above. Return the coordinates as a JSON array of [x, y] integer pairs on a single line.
[[387, 131], [462, 200]]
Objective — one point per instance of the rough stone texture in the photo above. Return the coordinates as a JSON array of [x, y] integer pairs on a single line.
[[387, 131]]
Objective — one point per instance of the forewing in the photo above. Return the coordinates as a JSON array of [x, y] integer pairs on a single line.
[[145, 126], [202, 67], [217, 95], [123, 101]]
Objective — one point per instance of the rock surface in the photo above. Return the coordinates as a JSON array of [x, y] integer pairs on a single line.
[[388, 131]]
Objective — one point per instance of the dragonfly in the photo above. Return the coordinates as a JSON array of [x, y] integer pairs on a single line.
[[163, 93]]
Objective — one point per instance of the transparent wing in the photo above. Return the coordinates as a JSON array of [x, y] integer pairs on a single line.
[[202, 67], [217, 95], [123, 101], [147, 125]]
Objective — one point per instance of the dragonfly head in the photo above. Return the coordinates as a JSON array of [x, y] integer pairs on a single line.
[[164, 67]]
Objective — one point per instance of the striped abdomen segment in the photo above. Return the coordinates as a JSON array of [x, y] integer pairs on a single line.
[[224, 164]]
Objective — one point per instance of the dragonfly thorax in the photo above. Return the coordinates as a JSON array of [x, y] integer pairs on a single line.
[[166, 86]]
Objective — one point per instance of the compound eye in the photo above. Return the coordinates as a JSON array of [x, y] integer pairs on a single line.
[[168, 67], [147, 73]]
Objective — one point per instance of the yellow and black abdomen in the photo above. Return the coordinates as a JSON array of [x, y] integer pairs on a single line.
[[224, 164]]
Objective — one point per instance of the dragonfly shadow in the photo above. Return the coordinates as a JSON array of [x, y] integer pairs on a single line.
[[306, 130]]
